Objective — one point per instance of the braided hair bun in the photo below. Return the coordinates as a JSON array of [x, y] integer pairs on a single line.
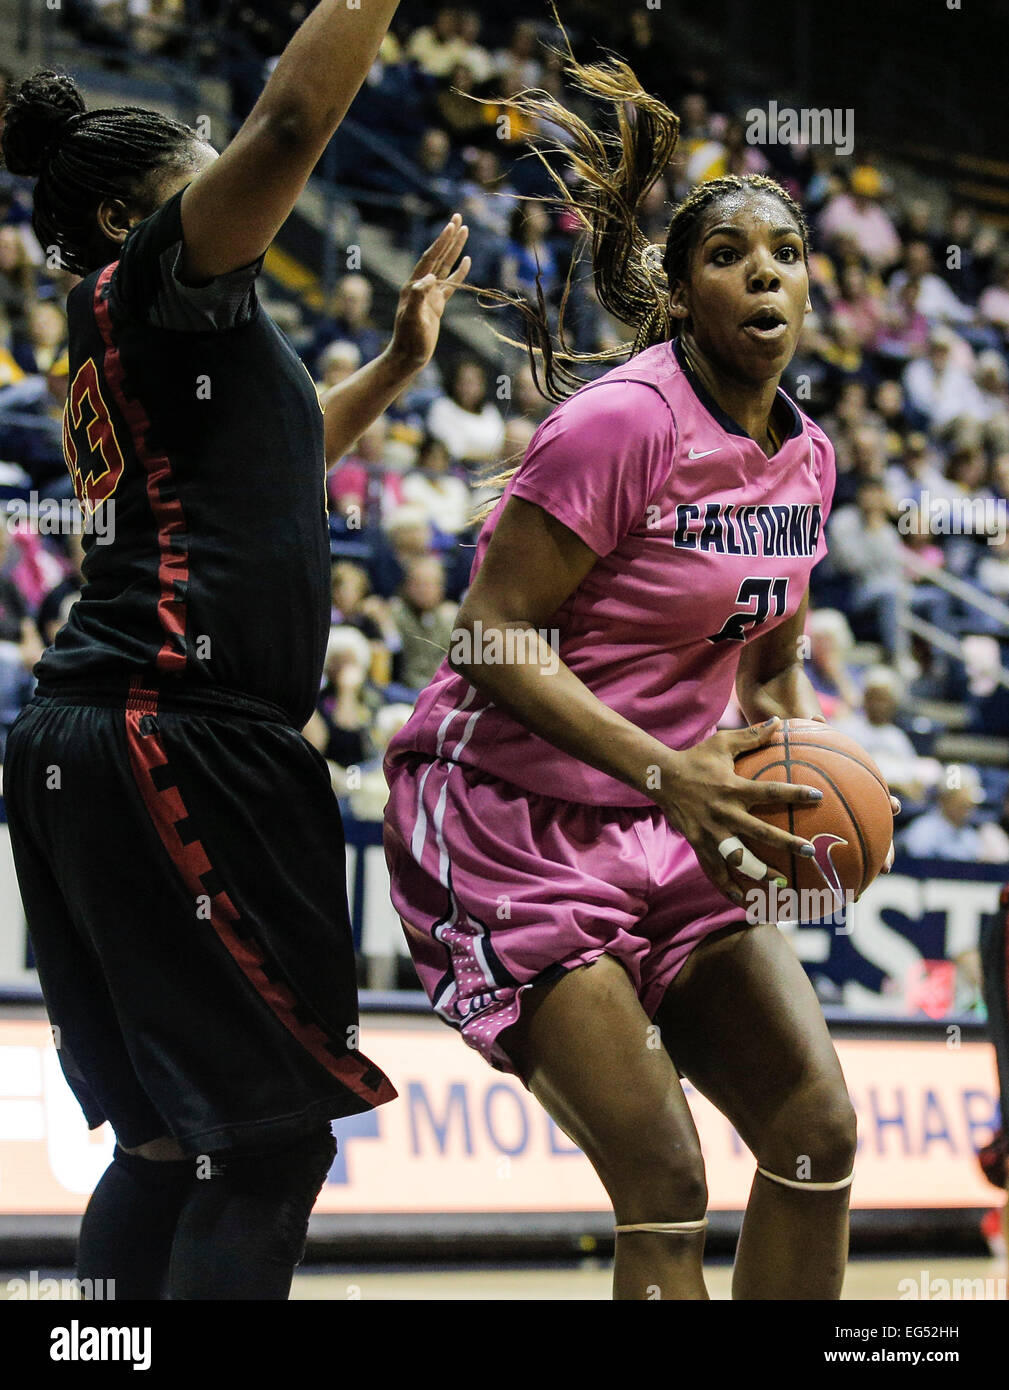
[[82, 158], [39, 110]]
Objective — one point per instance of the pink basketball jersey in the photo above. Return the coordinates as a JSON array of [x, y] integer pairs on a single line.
[[703, 545]]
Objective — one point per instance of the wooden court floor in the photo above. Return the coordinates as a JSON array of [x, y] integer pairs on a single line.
[[877, 1278]]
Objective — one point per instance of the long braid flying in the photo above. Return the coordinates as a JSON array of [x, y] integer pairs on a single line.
[[613, 174]]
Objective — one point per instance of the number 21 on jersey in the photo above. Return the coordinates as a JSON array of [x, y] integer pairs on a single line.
[[758, 599]]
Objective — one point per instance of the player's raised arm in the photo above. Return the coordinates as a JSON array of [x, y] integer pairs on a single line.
[[357, 403], [233, 210]]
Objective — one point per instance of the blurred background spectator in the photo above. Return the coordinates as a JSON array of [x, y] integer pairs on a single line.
[[425, 619]]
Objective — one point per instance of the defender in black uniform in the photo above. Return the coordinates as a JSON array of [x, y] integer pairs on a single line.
[[994, 952], [177, 844]]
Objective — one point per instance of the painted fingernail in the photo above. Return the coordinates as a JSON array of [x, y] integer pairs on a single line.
[[899, 808], [768, 722], [808, 851], [781, 883], [813, 795]]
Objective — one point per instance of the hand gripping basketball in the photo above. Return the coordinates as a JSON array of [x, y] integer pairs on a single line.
[[710, 804], [850, 827]]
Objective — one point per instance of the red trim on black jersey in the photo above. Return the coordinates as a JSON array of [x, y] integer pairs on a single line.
[[173, 565], [167, 809], [141, 699]]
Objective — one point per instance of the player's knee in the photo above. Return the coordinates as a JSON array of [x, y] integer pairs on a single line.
[[279, 1187], [814, 1139], [667, 1184], [298, 1165]]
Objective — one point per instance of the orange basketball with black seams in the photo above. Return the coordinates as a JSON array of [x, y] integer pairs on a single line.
[[851, 828]]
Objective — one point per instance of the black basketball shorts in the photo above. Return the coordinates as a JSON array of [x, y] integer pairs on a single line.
[[181, 862]]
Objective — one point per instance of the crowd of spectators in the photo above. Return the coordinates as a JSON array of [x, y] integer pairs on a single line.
[[904, 360]]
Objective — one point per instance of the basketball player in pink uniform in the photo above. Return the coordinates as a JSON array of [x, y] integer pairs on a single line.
[[563, 812]]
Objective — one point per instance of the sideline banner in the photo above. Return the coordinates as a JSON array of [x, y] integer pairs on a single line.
[[464, 1138], [886, 959]]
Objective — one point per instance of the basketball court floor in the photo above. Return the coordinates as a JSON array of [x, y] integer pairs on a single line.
[[872, 1278], [867, 1278]]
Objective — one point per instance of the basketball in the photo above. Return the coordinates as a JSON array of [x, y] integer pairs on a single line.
[[851, 827]]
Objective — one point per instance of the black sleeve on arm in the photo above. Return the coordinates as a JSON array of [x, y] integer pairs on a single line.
[[146, 284]]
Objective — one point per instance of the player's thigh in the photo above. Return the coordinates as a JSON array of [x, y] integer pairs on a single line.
[[586, 1050], [202, 857], [743, 1023], [249, 932], [258, 801], [86, 1028]]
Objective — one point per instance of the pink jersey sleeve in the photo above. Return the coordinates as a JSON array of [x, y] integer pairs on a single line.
[[827, 475], [599, 459]]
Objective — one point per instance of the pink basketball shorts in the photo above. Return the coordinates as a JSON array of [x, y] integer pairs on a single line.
[[500, 889]]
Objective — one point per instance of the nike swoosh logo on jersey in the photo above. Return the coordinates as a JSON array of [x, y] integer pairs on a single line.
[[703, 454]]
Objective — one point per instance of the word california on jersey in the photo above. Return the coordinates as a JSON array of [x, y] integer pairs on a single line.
[[702, 544], [729, 529]]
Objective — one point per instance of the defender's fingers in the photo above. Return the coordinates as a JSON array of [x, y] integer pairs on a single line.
[[437, 248], [717, 872], [457, 278], [451, 252], [744, 861]]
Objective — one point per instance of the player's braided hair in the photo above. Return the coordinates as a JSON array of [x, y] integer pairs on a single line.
[[81, 158], [612, 173]]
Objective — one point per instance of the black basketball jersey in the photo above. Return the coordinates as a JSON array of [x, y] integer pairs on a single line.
[[194, 425]]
